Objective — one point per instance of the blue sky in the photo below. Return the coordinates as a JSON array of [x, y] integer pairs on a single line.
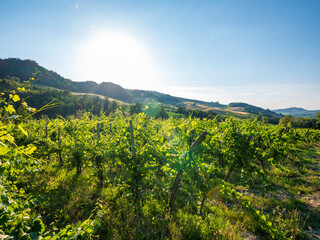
[[266, 53]]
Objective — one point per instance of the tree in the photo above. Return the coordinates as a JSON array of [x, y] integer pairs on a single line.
[[136, 108], [114, 106], [96, 106], [162, 114], [287, 120], [106, 106], [264, 120]]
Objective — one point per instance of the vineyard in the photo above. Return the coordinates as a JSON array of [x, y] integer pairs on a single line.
[[135, 177]]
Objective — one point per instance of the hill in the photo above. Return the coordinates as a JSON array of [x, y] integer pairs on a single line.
[[22, 70], [244, 107], [297, 112]]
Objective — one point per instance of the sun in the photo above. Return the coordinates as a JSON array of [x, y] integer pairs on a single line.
[[115, 57]]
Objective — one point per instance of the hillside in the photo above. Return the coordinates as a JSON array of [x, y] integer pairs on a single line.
[[297, 112], [22, 70]]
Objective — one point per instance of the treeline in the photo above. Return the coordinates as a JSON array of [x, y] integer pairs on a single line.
[[160, 111], [196, 113], [301, 122], [66, 104]]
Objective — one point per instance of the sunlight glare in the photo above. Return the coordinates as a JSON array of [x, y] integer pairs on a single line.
[[117, 58]]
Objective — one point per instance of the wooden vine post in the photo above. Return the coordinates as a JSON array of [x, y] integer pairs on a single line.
[[46, 129], [176, 183], [132, 142], [135, 188], [260, 142], [59, 145], [98, 160], [46, 132], [98, 133], [77, 155]]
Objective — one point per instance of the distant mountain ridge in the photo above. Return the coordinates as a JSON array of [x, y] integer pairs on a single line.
[[23, 70], [297, 112]]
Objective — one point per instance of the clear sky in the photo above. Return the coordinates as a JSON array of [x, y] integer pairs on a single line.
[[262, 52]]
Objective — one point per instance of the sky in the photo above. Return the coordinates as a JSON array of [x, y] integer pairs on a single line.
[[265, 53]]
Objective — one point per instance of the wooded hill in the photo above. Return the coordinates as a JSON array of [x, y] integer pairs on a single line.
[[22, 70]]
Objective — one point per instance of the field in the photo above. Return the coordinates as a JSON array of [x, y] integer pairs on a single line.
[[136, 177]]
